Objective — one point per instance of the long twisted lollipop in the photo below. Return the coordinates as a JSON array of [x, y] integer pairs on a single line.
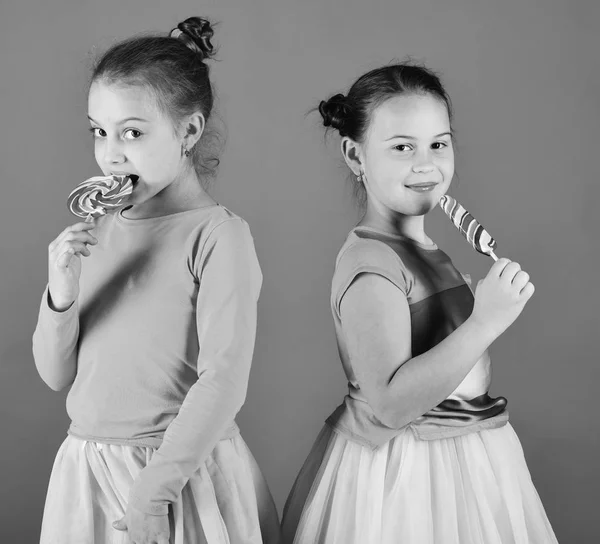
[[99, 195], [475, 234]]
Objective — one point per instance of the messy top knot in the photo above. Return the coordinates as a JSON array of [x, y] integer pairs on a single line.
[[351, 115], [172, 70], [196, 33], [335, 112]]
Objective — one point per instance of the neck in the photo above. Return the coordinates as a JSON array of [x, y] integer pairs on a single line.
[[410, 226], [183, 194]]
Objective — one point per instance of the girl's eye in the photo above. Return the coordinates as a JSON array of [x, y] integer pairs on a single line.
[[98, 132], [439, 145], [132, 134], [402, 147]]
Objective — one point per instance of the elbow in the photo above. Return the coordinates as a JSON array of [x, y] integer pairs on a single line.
[[236, 397], [56, 383], [392, 414], [239, 398], [61, 377], [53, 381]]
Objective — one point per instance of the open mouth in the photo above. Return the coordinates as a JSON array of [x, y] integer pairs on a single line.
[[123, 175]]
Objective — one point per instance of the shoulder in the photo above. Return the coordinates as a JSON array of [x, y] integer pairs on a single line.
[[216, 224], [361, 256], [360, 252], [225, 225], [223, 236]]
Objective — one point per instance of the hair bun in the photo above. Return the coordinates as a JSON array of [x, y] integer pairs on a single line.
[[335, 112], [196, 33]]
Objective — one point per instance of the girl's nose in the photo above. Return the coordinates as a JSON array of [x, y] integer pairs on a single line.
[[113, 153], [423, 163], [423, 168]]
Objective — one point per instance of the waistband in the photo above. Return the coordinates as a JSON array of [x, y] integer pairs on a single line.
[[153, 441], [355, 420]]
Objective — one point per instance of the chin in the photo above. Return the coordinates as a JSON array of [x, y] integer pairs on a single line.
[[424, 209], [416, 208]]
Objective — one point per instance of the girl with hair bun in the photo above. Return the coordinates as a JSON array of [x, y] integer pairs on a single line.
[[154, 330], [418, 452]]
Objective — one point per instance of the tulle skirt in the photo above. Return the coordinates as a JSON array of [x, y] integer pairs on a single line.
[[225, 502], [471, 489]]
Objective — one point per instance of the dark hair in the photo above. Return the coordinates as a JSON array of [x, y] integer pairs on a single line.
[[173, 68], [351, 115]]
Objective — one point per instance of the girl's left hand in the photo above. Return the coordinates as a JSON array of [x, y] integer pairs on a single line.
[[144, 528]]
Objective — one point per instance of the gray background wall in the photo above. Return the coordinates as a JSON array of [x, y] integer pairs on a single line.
[[523, 75]]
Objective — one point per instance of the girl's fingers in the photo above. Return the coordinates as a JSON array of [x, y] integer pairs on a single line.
[[499, 266], [77, 227], [73, 248], [79, 243], [120, 525], [65, 259], [520, 280], [527, 291], [510, 271], [80, 248], [81, 237]]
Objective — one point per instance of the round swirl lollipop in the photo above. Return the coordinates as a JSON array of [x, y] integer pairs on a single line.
[[475, 234], [99, 195]]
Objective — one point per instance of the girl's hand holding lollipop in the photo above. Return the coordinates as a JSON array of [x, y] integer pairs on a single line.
[[92, 198]]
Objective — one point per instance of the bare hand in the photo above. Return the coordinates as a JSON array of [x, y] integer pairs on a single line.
[[501, 296], [64, 263], [144, 528]]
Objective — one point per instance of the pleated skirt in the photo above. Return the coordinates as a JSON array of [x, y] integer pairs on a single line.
[[225, 502], [471, 489]]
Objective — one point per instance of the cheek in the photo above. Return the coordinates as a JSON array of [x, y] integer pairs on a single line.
[[98, 151], [159, 155], [446, 165], [449, 168], [381, 165]]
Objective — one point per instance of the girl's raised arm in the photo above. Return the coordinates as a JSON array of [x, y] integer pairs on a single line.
[[375, 319], [57, 331]]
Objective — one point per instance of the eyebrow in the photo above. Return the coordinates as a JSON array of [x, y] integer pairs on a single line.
[[406, 137], [124, 120]]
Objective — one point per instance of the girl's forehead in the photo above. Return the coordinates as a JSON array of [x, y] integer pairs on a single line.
[[113, 101], [411, 115]]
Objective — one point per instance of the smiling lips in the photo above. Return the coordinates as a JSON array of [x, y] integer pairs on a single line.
[[423, 187]]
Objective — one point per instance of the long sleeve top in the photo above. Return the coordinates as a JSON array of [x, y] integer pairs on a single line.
[[161, 336]]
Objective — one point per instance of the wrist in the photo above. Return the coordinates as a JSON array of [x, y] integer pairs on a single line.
[[58, 305], [481, 329]]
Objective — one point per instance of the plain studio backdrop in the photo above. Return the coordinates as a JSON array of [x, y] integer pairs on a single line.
[[523, 76]]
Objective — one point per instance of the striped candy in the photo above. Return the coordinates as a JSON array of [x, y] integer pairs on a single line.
[[99, 195], [475, 234]]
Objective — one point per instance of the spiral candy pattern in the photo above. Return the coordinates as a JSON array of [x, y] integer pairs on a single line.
[[476, 235], [99, 195]]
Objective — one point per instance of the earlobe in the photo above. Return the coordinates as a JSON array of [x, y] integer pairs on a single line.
[[194, 129], [351, 153]]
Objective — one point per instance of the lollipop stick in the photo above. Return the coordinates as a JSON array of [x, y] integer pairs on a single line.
[[493, 256]]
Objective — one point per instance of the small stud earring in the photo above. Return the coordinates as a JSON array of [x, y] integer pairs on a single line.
[[186, 152], [360, 177]]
